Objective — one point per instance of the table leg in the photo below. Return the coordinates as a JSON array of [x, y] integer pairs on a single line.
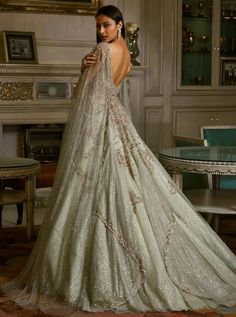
[[216, 181], [177, 178], [30, 183]]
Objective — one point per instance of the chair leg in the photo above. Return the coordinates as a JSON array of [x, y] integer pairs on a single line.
[[20, 213], [216, 221], [209, 218], [1, 208]]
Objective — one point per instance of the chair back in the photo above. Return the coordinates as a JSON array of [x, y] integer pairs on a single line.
[[223, 135], [219, 135], [182, 141]]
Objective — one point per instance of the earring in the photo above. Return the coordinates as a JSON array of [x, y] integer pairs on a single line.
[[118, 33]]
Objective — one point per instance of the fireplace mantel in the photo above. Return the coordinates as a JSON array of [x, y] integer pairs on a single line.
[[39, 70], [20, 101], [19, 98]]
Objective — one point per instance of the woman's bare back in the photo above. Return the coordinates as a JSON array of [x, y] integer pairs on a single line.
[[120, 60]]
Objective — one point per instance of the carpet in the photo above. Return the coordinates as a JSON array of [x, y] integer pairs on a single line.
[[14, 251]]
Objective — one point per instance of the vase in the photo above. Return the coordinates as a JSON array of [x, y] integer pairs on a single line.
[[131, 39]]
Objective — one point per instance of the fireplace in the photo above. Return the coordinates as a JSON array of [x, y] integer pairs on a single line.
[[42, 143]]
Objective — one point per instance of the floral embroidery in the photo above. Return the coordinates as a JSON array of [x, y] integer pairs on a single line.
[[121, 158], [169, 237], [134, 198]]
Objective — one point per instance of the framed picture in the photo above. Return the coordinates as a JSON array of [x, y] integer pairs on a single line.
[[228, 70], [19, 47], [88, 7]]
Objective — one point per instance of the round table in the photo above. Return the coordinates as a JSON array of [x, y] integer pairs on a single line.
[[27, 169], [217, 160]]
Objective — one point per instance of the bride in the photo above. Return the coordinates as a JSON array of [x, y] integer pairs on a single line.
[[118, 234]]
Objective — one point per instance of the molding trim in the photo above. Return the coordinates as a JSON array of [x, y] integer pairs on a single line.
[[65, 43], [153, 123], [50, 70], [39, 69], [153, 37]]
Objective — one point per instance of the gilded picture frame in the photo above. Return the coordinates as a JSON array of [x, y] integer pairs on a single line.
[[228, 70], [75, 7], [19, 47]]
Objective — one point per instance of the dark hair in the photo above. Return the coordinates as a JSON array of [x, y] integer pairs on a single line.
[[114, 13]]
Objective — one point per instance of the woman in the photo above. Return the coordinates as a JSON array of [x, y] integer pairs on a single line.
[[118, 234]]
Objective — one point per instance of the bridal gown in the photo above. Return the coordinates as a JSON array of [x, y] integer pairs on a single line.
[[118, 234]]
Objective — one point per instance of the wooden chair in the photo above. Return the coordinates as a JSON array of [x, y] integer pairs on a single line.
[[222, 135], [12, 190], [12, 193], [12, 197], [38, 144], [211, 202]]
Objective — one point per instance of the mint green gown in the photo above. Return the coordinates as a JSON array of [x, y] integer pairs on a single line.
[[118, 234]]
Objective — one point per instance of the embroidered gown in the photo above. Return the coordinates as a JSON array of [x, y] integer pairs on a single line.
[[118, 234]]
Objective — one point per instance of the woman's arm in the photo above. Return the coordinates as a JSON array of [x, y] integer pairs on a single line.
[[88, 61], [93, 61]]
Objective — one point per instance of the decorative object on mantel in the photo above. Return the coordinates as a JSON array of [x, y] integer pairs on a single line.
[[16, 91], [86, 7], [19, 47], [132, 37]]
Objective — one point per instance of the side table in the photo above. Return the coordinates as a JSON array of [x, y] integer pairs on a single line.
[[26, 168]]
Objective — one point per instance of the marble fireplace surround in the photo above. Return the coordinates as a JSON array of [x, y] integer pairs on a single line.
[[18, 96], [19, 104]]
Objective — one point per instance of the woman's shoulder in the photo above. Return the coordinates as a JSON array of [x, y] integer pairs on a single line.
[[101, 50], [102, 46], [114, 46]]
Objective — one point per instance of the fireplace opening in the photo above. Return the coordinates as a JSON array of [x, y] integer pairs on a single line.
[[43, 143]]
